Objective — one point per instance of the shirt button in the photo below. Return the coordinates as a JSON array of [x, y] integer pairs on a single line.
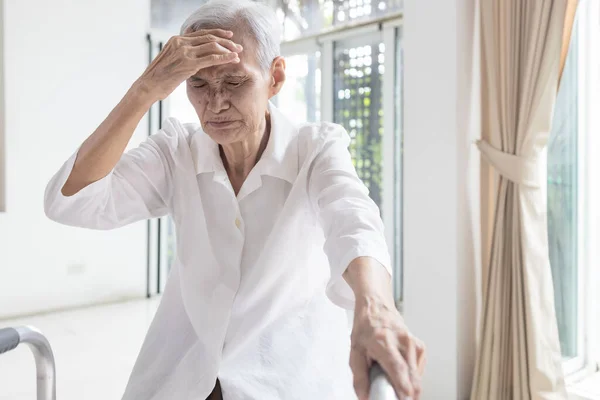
[[238, 223]]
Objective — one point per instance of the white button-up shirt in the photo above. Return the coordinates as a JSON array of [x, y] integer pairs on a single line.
[[255, 294]]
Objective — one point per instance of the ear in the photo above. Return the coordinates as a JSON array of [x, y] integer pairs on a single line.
[[277, 76]]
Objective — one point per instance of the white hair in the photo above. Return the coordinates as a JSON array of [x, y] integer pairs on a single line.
[[258, 20]]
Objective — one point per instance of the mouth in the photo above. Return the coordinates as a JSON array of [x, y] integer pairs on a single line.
[[220, 124]]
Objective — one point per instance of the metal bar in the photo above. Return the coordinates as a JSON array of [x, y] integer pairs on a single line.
[[148, 228], [388, 149], [399, 168], [341, 32], [10, 338], [159, 238], [148, 233], [327, 82]]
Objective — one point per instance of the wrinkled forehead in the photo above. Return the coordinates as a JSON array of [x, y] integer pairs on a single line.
[[223, 72]]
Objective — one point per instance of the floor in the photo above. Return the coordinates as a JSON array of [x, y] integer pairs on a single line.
[[94, 349]]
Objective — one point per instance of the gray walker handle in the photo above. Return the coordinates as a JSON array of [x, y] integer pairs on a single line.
[[381, 388], [10, 338]]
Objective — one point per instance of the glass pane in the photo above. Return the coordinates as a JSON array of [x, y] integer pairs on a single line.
[[301, 17], [300, 97], [168, 15], [358, 93], [298, 17], [562, 204]]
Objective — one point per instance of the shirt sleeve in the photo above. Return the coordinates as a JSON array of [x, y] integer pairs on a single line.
[[350, 219], [137, 188]]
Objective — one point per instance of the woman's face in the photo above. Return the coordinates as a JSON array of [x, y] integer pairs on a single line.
[[231, 100]]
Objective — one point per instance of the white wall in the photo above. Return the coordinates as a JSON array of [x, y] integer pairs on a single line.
[[67, 63], [441, 190]]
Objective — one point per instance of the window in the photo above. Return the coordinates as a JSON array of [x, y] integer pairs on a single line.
[[358, 79], [168, 15], [302, 17], [345, 73], [563, 203], [360, 74], [300, 97], [573, 185], [298, 17]]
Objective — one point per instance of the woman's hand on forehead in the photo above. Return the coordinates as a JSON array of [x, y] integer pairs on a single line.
[[184, 56]]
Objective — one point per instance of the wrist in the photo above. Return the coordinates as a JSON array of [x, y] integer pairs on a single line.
[[142, 93], [373, 299], [369, 280]]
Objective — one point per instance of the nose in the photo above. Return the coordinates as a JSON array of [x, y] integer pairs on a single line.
[[218, 101]]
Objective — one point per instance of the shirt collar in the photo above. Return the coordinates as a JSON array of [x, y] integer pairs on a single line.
[[279, 160]]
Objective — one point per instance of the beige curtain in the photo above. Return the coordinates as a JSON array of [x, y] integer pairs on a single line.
[[519, 353]]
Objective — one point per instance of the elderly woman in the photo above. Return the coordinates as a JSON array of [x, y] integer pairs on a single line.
[[276, 233]]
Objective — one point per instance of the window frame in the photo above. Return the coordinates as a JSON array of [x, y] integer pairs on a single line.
[[388, 30], [571, 365], [588, 357], [589, 63]]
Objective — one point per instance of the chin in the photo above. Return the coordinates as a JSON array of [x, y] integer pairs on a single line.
[[225, 136]]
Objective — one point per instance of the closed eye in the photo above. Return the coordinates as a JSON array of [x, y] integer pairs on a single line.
[[197, 83], [234, 84]]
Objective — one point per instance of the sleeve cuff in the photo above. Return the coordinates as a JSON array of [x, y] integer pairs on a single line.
[[338, 290], [54, 200]]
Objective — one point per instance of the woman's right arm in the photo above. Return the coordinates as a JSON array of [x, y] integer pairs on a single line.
[[102, 188], [100, 152], [181, 58]]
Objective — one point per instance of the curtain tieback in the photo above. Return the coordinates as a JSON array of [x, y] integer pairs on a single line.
[[518, 169]]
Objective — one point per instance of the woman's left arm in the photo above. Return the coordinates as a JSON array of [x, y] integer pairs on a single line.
[[360, 269]]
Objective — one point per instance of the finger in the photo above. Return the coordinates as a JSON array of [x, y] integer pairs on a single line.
[[394, 365], [421, 355], [409, 352], [202, 32], [212, 60], [208, 49], [225, 43], [360, 371]]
